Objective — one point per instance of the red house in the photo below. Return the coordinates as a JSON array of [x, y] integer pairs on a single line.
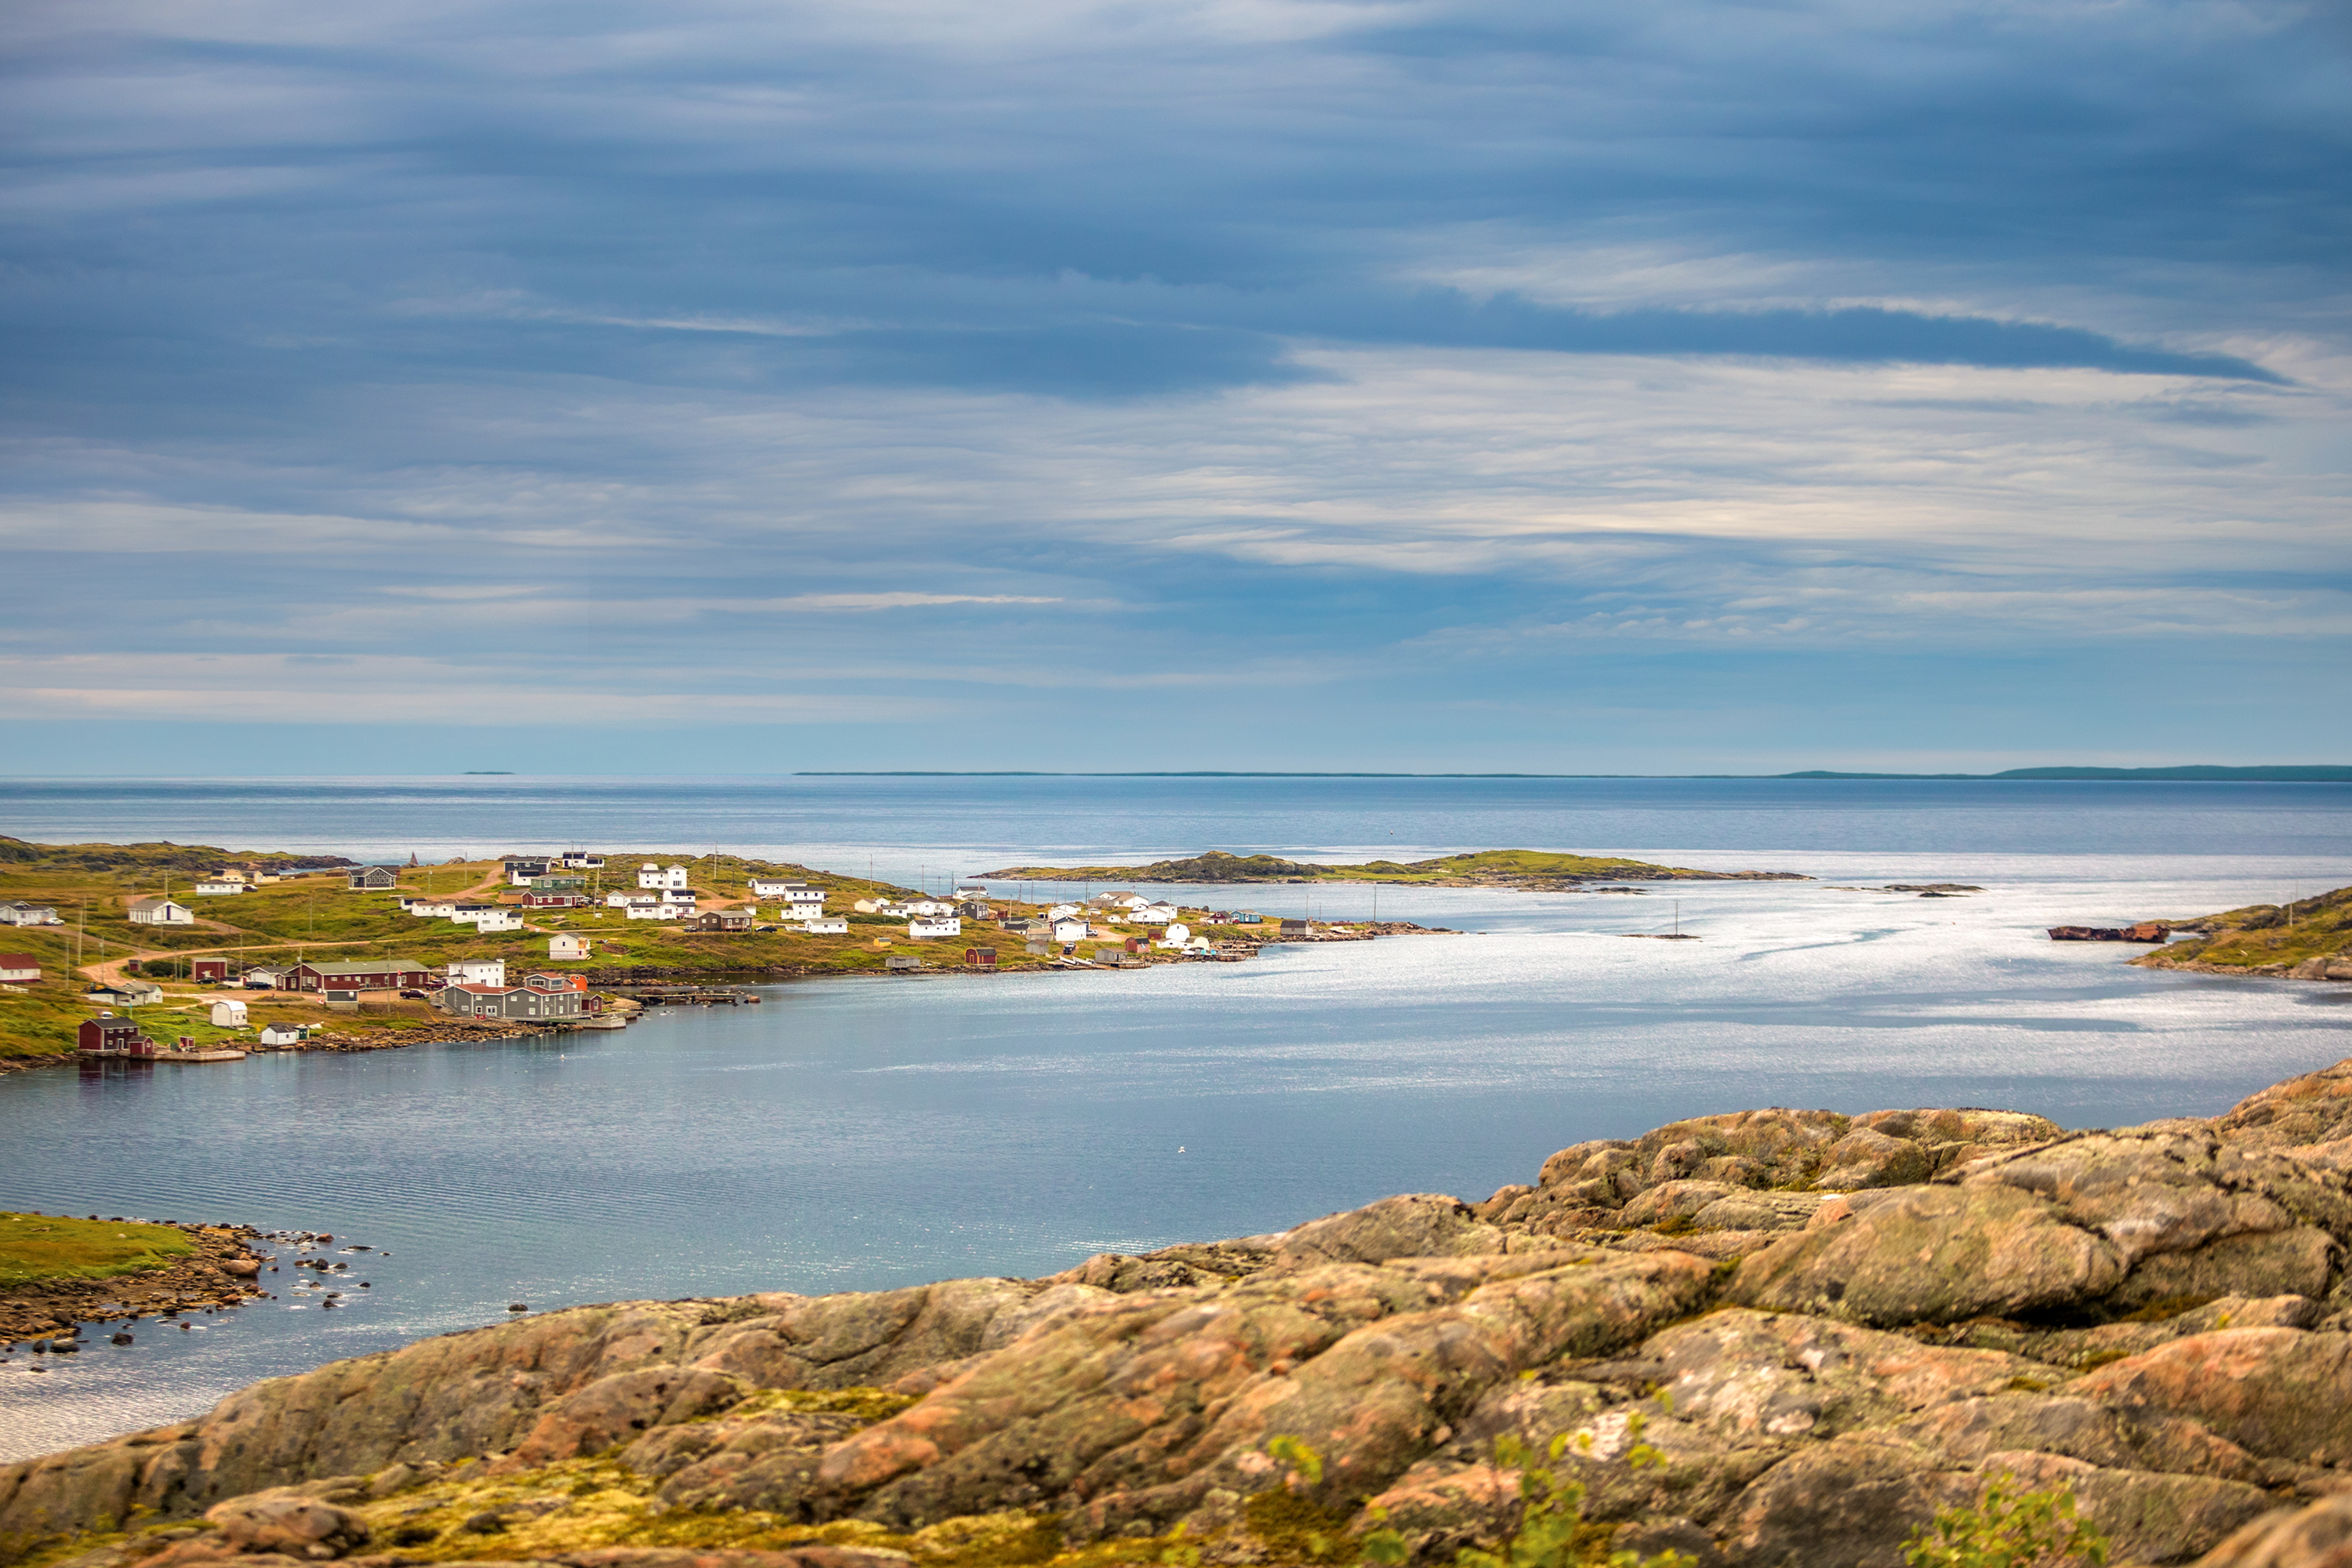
[[209, 969], [980, 958], [107, 1035], [377, 974]]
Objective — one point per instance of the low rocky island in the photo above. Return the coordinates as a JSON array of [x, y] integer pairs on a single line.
[[1528, 870], [1772, 1337]]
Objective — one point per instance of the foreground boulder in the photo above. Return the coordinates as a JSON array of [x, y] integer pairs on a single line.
[[1773, 1338]]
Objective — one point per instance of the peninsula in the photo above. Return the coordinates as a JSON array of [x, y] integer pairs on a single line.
[[2306, 939], [194, 943], [1763, 1339], [1528, 871]]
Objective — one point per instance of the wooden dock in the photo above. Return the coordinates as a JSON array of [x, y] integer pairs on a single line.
[[656, 995]]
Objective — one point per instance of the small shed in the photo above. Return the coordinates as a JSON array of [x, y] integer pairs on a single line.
[[229, 1015], [567, 945], [281, 1034], [980, 958]]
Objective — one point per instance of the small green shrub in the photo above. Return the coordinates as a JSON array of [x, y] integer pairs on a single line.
[[1552, 1529], [2008, 1529]]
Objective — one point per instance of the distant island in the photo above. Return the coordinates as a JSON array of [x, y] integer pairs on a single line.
[[2314, 773], [2319, 773], [1531, 871]]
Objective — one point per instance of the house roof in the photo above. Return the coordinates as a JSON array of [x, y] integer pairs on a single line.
[[150, 901], [18, 961], [473, 989], [380, 966]]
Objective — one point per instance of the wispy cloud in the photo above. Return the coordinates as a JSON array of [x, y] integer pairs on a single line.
[[1123, 370]]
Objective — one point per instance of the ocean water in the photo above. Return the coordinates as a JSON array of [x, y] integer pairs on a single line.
[[852, 1135]]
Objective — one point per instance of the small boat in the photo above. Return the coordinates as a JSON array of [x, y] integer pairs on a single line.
[[220, 1056]]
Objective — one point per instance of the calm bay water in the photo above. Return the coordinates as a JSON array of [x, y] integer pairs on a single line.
[[851, 1134]]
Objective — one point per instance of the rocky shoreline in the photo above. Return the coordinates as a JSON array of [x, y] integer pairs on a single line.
[[220, 1274], [1771, 1339]]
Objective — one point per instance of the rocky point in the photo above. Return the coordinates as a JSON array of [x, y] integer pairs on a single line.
[[1811, 1332]]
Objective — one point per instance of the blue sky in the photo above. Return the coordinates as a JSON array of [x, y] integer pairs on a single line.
[[1687, 387]]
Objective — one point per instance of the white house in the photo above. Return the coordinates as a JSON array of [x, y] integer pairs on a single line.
[[499, 919], [281, 1034], [467, 914], [1062, 912], [567, 946], [680, 895], [21, 913], [577, 860], [1154, 914], [229, 1016], [159, 912], [616, 900], [826, 925], [1070, 931], [772, 887], [804, 901], [263, 979], [653, 910], [659, 877], [220, 887], [934, 925], [929, 907], [972, 893], [477, 971], [1175, 936], [434, 909], [866, 907]]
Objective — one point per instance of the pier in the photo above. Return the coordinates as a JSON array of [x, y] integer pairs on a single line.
[[685, 995]]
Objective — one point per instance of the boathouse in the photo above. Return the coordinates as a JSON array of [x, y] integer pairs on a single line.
[[108, 1036]]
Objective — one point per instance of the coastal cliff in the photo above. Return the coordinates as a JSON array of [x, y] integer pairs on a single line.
[[1770, 1337]]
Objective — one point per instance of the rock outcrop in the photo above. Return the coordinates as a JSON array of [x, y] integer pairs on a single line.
[[1772, 1339]]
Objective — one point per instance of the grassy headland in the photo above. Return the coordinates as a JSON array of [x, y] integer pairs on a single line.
[[1535, 870], [51, 1246], [2267, 939]]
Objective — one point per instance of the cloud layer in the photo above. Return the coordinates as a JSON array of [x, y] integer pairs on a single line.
[[845, 383]]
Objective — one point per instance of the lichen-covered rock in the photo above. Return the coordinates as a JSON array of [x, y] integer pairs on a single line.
[[2314, 1109], [285, 1520], [2283, 1393], [1415, 1224], [1930, 1255], [1768, 1338], [2318, 1535]]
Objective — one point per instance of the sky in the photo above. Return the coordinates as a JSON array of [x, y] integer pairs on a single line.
[[1473, 385]]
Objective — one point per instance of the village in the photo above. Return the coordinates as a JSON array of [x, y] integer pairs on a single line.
[[265, 954]]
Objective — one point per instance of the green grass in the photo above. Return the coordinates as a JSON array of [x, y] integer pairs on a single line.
[[2262, 935], [48, 1246]]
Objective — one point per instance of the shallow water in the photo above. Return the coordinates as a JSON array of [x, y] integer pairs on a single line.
[[859, 1133]]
